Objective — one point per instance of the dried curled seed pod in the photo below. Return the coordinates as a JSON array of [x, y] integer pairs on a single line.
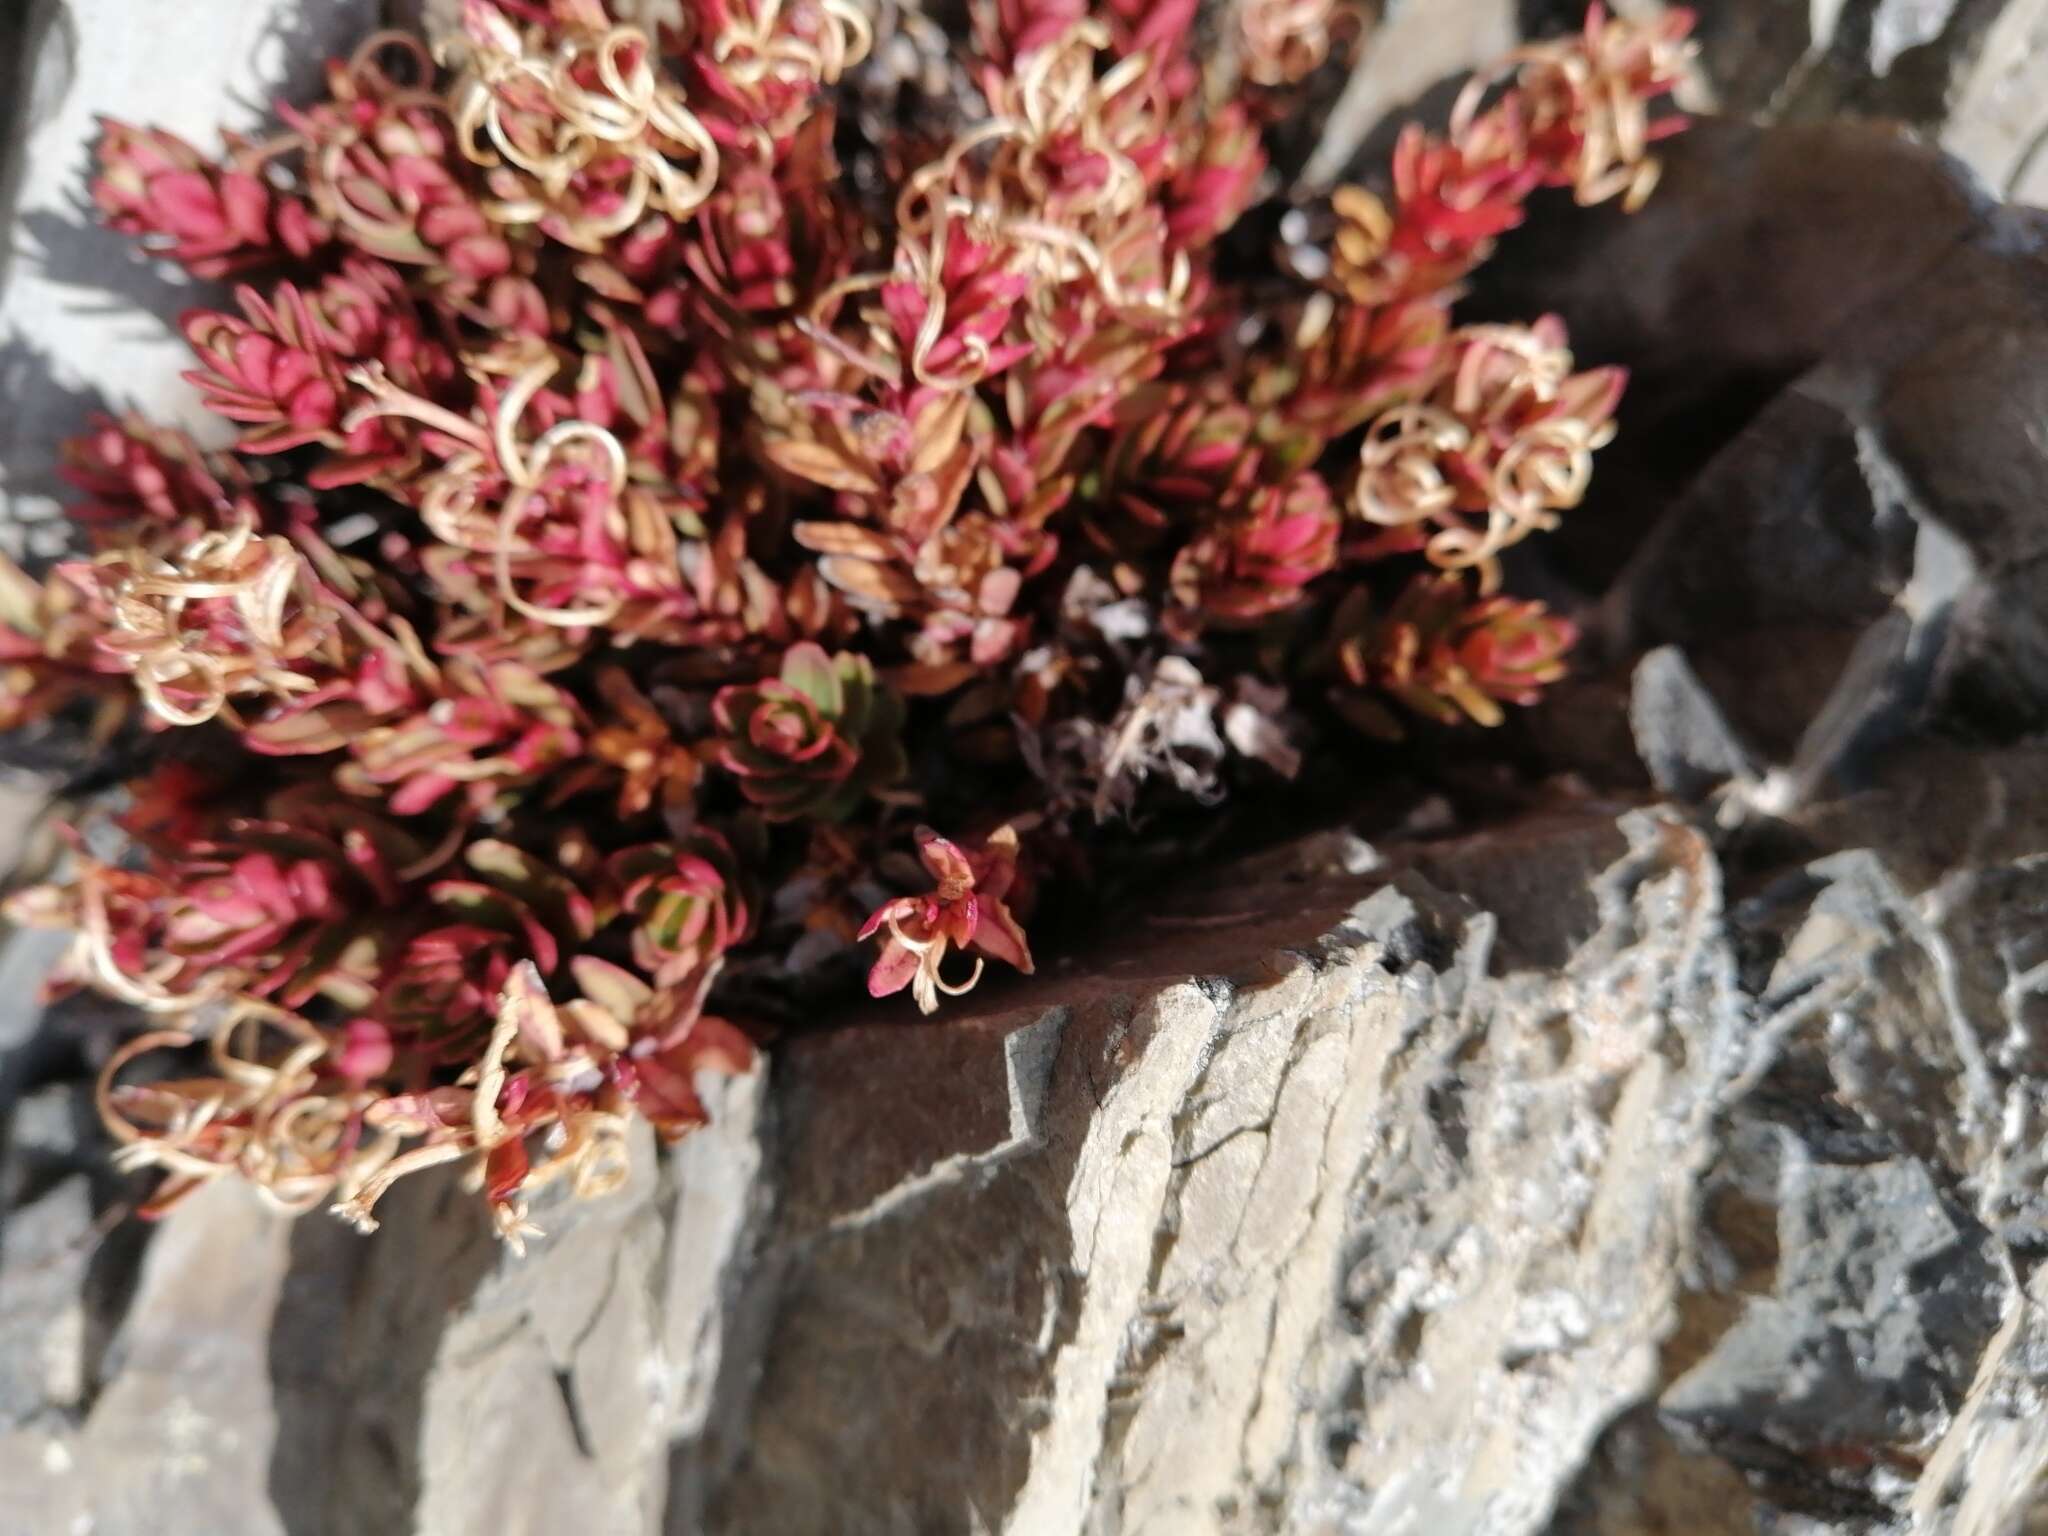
[[558, 118], [231, 613], [1285, 41], [1588, 96], [1494, 451]]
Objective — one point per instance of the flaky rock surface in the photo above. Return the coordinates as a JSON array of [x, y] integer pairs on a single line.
[[1327, 1206]]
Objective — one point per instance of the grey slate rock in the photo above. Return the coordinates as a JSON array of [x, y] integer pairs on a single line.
[[1684, 739]]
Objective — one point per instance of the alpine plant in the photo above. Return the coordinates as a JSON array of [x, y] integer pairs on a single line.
[[707, 495]]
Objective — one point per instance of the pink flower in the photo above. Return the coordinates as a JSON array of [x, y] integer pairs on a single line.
[[966, 911]]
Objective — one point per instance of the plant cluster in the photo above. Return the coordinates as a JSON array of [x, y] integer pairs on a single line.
[[678, 463]]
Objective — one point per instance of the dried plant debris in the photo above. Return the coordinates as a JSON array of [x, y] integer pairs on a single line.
[[638, 537]]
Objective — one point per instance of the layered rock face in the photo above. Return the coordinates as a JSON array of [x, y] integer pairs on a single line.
[[1658, 1150], [1544, 1179]]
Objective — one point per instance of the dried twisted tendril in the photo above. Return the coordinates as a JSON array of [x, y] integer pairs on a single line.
[[258, 575], [526, 473], [1056, 94], [450, 497], [1284, 40], [751, 49], [1594, 82], [587, 1144], [1084, 256], [1401, 479], [299, 1143], [384, 399], [1546, 469], [95, 949], [261, 1119], [355, 1199], [931, 953], [1532, 470], [924, 217], [633, 113], [1484, 390], [1543, 469], [126, 1131], [817, 326], [331, 182], [363, 65]]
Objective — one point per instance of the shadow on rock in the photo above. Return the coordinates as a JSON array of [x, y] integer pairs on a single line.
[[356, 1334]]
